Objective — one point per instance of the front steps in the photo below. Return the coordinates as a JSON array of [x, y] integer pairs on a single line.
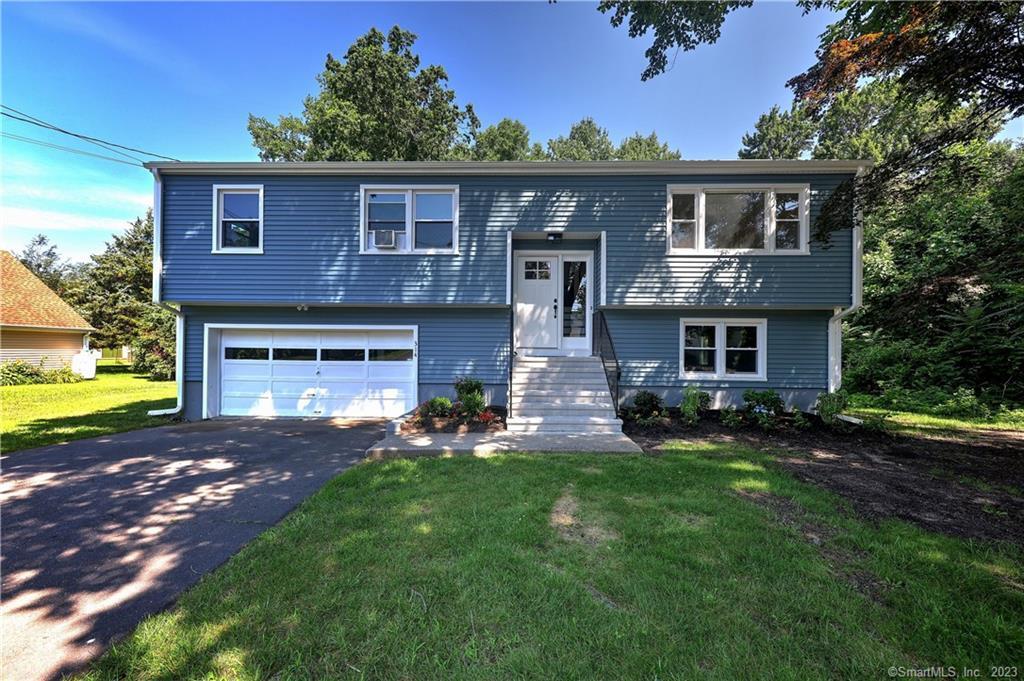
[[561, 395]]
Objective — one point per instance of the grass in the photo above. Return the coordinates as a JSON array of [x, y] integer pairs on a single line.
[[451, 568], [920, 423], [115, 401]]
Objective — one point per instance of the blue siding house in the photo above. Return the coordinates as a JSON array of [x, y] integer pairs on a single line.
[[361, 289]]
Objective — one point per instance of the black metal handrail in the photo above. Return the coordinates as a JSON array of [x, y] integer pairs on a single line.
[[605, 349]]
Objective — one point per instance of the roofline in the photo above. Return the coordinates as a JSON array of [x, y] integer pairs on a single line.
[[738, 166], [44, 327]]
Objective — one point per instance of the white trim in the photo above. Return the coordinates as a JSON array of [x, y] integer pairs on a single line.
[[700, 192], [835, 323], [734, 166], [218, 191], [158, 228], [604, 268], [508, 267], [410, 190], [559, 351], [219, 326], [720, 347]]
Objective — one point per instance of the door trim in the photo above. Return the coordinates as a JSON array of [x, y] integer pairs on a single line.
[[217, 327], [561, 255]]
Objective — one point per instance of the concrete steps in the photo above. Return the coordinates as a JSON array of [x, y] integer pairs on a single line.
[[561, 395]]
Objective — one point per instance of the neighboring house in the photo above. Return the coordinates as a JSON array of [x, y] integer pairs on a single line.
[[35, 324], [361, 289]]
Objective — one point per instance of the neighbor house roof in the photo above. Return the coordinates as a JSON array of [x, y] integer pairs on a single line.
[[28, 302], [738, 166]]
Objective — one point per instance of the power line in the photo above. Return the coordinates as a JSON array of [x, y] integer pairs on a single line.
[[43, 124], [99, 144], [70, 150]]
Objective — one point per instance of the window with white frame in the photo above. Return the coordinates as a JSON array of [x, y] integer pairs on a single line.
[[723, 349], [738, 219], [409, 219], [238, 219]]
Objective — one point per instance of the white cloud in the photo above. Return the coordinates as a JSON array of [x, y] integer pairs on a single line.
[[93, 196], [41, 220]]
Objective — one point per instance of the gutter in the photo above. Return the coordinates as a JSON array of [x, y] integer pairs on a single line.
[[179, 326], [835, 323]]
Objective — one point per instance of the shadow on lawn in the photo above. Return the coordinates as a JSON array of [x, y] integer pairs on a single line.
[[685, 513], [48, 431], [98, 534]]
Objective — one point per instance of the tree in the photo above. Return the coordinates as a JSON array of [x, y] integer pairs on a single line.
[[116, 298], [637, 147], [42, 258], [586, 141], [377, 104], [779, 134], [507, 140]]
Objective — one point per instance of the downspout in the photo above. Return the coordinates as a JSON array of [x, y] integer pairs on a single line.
[[179, 326], [835, 323]]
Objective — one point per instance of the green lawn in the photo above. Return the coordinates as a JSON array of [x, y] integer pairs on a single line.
[[703, 563], [917, 423], [116, 400]]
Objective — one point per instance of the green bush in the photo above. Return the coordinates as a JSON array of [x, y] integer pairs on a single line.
[[731, 418], [466, 385], [472, 404], [763, 401], [695, 402], [964, 402], [647, 403], [831, 405], [438, 407], [62, 375], [19, 372], [800, 420]]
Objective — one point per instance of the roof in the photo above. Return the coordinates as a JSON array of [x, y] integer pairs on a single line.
[[27, 302], [739, 166]]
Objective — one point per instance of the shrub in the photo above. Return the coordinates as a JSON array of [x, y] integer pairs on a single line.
[[731, 418], [768, 400], [472, 404], [800, 420], [438, 407], [831, 405], [467, 385], [62, 375], [695, 402], [19, 372], [486, 416], [963, 402], [647, 403]]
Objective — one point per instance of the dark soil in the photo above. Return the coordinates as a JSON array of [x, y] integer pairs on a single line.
[[455, 424], [970, 487]]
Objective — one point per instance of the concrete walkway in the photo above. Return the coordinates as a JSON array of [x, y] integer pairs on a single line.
[[396, 446]]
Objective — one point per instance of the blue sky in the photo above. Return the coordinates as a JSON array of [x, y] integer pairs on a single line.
[[180, 79]]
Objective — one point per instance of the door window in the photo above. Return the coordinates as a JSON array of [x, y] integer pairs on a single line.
[[574, 297]]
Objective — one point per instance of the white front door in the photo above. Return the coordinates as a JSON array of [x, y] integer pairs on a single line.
[[537, 302], [553, 303]]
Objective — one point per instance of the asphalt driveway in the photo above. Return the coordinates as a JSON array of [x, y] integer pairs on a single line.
[[99, 533]]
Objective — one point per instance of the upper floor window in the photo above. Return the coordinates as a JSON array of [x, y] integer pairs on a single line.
[[238, 219], [729, 220], [416, 219]]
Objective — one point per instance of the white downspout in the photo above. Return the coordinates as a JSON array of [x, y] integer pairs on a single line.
[[179, 326], [835, 323]]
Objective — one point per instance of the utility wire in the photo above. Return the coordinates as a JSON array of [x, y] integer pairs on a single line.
[[72, 150], [43, 124], [98, 144]]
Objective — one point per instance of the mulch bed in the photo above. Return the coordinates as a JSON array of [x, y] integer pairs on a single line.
[[455, 424], [970, 487]]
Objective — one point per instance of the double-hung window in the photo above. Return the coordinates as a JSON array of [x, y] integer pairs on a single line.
[[723, 349], [736, 220], [416, 219], [238, 218]]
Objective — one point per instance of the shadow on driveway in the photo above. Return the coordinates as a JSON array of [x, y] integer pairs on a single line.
[[99, 533]]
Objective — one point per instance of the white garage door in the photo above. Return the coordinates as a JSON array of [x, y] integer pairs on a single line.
[[317, 373]]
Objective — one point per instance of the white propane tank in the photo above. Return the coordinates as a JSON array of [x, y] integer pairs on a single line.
[[84, 364]]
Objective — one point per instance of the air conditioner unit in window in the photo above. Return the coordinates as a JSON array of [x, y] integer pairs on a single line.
[[384, 238]]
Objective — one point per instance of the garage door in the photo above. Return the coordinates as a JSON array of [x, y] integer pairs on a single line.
[[317, 373]]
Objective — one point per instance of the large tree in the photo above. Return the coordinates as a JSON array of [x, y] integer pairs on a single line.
[[638, 147], [41, 256], [586, 141], [506, 140], [779, 134], [376, 104]]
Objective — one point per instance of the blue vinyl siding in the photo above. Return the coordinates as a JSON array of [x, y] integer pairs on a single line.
[[452, 342], [647, 345], [311, 245]]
